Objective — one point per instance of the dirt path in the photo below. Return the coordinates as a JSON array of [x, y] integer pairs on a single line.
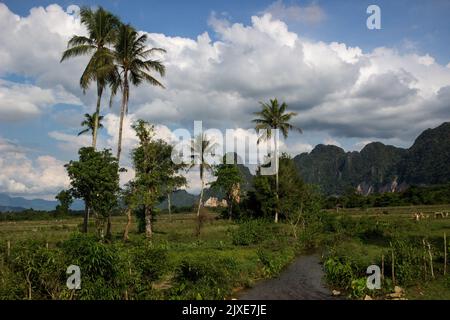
[[302, 280]]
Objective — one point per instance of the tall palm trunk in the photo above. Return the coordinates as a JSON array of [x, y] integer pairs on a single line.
[[148, 222], [201, 195], [109, 228], [169, 205], [123, 108], [85, 218], [276, 180], [97, 114], [127, 227], [230, 207]]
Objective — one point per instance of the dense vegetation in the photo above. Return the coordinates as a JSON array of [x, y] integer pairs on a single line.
[[425, 195]]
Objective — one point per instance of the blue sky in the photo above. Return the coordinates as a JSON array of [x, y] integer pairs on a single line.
[[350, 85]]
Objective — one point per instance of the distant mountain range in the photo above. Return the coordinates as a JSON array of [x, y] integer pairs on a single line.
[[11, 209], [20, 204], [376, 168]]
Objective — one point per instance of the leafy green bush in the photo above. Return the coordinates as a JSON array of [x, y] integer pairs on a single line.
[[338, 273], [103, 275], [250, 232], [274, 261], [12, 287], [40, 270], [151, 262], [407, 261], [204, 277], [93, 257], [358, 288]]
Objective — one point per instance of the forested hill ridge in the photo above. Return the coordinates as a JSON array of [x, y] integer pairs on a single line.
[[378, 167]]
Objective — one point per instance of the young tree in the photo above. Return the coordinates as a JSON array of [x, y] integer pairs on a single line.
[[95, 179], [261, 201], [297, 199], [102, 30], [173, 183], [274, 116], [228, 180], [65, 200], [154, 167], [130, 198]]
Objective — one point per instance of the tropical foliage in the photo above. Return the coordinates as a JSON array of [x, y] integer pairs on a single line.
[[101, 26], [273, 116]]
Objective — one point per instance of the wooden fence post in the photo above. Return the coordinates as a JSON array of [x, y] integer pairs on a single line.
[[445, 253], [393, 267], [424, 260], [8, 249], [431, 260]]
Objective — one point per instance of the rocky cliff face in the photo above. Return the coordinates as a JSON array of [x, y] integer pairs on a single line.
[[378, 167]]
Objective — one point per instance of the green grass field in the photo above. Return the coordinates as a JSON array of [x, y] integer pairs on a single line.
[[367, 247], [176, 235], [359, 237]]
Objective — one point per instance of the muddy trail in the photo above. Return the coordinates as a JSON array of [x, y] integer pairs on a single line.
[[302, 280]]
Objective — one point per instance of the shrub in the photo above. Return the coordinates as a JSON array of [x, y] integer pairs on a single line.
[[251, 232], [103, 275], [12, 286], [93, 257], [274, 261], [41, 270], [358, 288], [338, 273], [150, 262], [205, 277], [408, 258]]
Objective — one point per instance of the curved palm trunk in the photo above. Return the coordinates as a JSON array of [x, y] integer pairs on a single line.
[[276, 181], [230, 207], [85, 218], [127, 227], [97, 114], [148, 222], [201, 196], [109, 228], [122, 114], [169, 205]]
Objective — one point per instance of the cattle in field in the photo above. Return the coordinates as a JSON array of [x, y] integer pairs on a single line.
[[417, 216], [440, 215]]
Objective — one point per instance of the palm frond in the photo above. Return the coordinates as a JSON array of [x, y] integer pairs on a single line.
[[273, 116], [77, 51]]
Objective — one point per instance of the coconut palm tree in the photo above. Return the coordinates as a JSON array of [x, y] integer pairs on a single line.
[[132, 65], [201, 146], [101, 26], [274, 116], [89, 124]]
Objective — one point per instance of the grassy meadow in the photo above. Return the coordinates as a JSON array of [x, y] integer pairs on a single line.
[[229, 256], [208, 266]]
